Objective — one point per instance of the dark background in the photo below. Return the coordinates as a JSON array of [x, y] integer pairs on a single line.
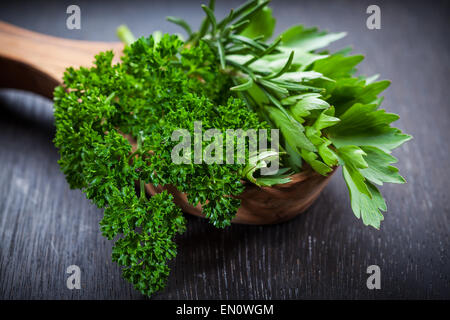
[[324, 253]]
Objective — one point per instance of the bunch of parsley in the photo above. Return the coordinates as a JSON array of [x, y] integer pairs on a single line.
[[229, 76]]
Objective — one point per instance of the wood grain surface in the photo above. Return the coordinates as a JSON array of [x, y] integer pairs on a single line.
[[324, 253]]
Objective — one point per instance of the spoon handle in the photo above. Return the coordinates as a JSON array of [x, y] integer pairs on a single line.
[[36, 62]]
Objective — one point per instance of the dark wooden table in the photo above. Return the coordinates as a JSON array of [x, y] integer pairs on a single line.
[[324, 253]]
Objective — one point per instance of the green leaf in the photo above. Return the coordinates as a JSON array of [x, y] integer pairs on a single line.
[[303, 104], [325, 121], [267, 51], [125, 35], [348, 91], [244, 86], [206, 22], [363, 125], [157, 36], [308, 39], [262, 23], [370, 92], [182, 23], [301, 76], [364, 206], [284, 69], [249, 42], [212, 19], [353, 156], [295, 87], [273, 86], [379, 170], [353, 160], [317, 165], [257, 7], [261, 160], [306, 101], [270, 181], [291, 130], [221, 51], [245, 7], [293, 158], [328, 155], [337, 66]]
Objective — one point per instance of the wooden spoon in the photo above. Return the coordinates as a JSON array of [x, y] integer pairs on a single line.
[[36, 62]]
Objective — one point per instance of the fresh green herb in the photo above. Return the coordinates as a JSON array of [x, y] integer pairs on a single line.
[[229, 76]]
